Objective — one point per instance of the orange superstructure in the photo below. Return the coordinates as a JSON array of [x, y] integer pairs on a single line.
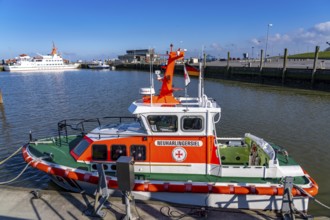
[[166, 93]]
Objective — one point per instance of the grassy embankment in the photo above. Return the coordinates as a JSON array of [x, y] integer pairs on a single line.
[[322, 55]]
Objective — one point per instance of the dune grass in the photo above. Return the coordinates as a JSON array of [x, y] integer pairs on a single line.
[[322, 55]]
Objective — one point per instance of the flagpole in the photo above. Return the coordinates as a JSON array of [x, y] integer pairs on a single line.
[[151, 76], [185, 80], [202, 73], [200, 82]]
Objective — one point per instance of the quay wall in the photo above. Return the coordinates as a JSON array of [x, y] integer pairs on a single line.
[[289, 77]]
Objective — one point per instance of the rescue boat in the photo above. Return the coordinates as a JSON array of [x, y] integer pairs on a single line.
[[177, 154]]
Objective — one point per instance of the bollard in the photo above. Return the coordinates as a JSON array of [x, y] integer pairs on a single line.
[[287, 209], [126, 181]]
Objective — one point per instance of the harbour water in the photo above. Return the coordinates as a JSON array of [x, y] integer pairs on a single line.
[[298, 120]]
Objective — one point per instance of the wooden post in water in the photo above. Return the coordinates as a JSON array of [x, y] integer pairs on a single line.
[[285, 58], [228, 58], [261, 65], [261, 59], [316, 56], [1, 100]]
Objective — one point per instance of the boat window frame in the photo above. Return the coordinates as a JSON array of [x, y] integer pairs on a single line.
[[116, 145], [157, 123], [81, 148], [106, 152], [138, 145], [194, 117]]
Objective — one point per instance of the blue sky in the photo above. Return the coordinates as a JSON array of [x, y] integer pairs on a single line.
[[107, 28]]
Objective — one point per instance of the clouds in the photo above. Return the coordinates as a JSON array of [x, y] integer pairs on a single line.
[[255, 42], [316, 35], [296, 40], [323, 28], [299, 40], [216, 47]]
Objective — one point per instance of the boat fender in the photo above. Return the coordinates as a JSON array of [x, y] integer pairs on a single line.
[[49, 169], [188, 187], [231, 189], [35, 163], [166, 185], [146, 185], [210, 187], [275, 190], [253, 189]]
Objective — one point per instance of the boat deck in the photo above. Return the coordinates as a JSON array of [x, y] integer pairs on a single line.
[[61, 156]]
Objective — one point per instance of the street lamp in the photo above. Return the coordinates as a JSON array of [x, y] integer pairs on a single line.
[[269, 25], [252, 53]]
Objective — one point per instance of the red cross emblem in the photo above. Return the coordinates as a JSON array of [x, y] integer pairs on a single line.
[[179, 154]]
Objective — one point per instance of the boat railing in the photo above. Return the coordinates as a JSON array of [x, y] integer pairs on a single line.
[[82, 126]]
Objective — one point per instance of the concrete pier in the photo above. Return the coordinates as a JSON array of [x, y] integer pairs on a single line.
[[276, 73], [22, 203]]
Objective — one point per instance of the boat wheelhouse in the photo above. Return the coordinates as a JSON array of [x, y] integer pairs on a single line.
[[178, 156]]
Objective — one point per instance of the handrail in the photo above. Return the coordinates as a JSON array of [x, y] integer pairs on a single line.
[[80, 125]]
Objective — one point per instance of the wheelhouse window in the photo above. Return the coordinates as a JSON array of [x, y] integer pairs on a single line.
[[99, 152], [138, 152], [81, 147], [192, 123], [163, 123], [117, 151]]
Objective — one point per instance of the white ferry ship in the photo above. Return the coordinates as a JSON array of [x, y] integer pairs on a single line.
[[51, 61]]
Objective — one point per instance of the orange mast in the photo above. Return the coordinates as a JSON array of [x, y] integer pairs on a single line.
[[166, 92], [54, 50]]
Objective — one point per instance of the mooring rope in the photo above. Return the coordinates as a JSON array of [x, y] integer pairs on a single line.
[[310, 196], [3, 161], [12, 180], [20, 174]]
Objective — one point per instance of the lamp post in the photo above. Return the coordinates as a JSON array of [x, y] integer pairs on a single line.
[[269, 25], [252, 53]]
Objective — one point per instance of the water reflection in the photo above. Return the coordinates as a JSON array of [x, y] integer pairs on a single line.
[[3, 115]]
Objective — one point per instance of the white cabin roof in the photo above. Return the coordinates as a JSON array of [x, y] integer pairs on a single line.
[[185, 105]]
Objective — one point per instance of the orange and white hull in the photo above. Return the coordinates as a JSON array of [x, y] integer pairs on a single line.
[[221, 195]]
